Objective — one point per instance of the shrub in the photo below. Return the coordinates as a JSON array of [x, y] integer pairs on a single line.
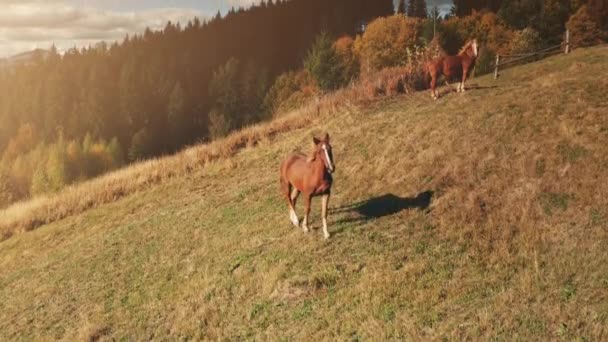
[[21, 143], [75, 160], [485, 61], [489, 30], [584, 31], [401, 79], [347, 59], [140, 145], [40, 181], [526, 41], [220, 124], [386, 40], [291, 90]]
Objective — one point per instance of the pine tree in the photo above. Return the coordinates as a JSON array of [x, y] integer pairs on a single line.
[[411, 8], [177, 115], [322, 63], [224, 92], [56, 167], [7, 193], [421, 10], [116, 152], [401, 7], [219, 124]]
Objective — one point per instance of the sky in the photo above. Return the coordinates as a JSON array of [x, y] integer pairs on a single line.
[[26, 25]]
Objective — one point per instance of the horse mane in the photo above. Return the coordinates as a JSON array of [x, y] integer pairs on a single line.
[[465, 47]]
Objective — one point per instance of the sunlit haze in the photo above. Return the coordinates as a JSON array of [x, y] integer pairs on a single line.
[[30, 24]]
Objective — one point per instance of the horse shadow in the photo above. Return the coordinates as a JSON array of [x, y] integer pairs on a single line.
[[473, 86], [382, 206]]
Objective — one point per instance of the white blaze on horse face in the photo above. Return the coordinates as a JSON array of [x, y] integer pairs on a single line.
[[475, 51], [330, 164]]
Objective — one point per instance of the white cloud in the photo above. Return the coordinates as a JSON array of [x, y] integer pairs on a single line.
[[30, 24]]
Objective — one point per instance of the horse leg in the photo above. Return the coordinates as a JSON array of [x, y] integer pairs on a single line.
[[434, 93], [324, 214], [292, 206], [449, 85], [286, 188], [307, 214], [464, 78]]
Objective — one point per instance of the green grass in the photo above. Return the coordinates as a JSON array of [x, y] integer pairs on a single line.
[[512, 247]]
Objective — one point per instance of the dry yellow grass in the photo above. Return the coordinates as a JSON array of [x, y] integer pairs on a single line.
[[512, 246], [31, 214]]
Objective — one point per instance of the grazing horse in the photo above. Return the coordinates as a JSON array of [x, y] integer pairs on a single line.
[[310, 175], [453, 67]]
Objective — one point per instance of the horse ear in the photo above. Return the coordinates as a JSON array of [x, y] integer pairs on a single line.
[[326, 139], [316, 140]]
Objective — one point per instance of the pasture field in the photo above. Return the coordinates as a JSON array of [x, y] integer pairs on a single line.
[[478, 216]]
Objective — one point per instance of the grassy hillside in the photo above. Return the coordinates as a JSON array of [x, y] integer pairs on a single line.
[[483, 215]]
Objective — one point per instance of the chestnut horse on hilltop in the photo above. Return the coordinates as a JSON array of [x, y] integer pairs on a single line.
[[310, 176], [453, 67]]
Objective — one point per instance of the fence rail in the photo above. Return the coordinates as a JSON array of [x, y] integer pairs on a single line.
[[504, 60]]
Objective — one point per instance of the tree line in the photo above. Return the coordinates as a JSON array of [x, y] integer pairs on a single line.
[[65, 118], [158, 91]]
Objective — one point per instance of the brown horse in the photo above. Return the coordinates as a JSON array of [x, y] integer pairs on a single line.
[[310, 176], [453, 67]]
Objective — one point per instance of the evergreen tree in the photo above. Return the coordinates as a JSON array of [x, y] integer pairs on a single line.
[[219, 124], [116, 152], [56, 167], [129, 90], [40, 182], [7, 193], [421, 9], [401, 7], [411, 8], [177, 115], [463, 8], [322, 63], [417, 8], [224, 91]]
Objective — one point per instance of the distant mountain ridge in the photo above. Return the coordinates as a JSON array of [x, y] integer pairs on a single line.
[[24, 57]]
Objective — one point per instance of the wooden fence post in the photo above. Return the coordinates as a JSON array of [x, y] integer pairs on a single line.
[[567, 42], [496, 67]]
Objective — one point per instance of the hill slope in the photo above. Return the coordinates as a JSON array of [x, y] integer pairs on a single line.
[[512, 245]]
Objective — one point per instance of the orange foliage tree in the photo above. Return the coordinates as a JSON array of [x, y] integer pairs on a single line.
[[584, 30], [347, 59], [387, 40]]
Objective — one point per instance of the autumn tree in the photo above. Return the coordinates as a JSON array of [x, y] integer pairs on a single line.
[[386, 40], [348, 62], [584, 31]]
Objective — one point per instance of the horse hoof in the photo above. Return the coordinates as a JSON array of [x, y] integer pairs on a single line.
[[327, 237], [305, 229]]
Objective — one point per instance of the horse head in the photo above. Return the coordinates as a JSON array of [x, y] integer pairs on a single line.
[[471, 48], [324, 152]]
